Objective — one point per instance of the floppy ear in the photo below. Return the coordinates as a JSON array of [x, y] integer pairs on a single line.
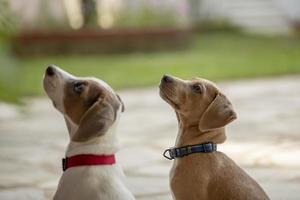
[[95, 122], [218, 114], [123, 106]]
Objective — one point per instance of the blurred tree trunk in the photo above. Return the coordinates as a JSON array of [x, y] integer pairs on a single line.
[[89, 13], [195, 12]]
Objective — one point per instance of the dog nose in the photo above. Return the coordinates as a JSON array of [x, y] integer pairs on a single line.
[[167, 79], [50, 70]]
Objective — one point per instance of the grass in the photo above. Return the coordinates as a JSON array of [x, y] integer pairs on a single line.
[[215, 56]]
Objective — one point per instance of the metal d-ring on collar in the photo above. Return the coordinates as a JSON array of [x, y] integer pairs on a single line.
[[178, 152]]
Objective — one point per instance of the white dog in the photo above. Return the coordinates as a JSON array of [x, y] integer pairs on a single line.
[[91, 110]]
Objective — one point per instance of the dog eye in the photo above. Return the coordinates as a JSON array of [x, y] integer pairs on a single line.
[[78, 87], [197, 88]]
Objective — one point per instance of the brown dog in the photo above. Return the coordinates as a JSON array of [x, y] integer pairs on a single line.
[[202, 112]]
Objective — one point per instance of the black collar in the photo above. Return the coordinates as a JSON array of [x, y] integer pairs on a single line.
[[178, 152]]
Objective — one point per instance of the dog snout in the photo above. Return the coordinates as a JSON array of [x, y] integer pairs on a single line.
[[167, 79], [50, 71]]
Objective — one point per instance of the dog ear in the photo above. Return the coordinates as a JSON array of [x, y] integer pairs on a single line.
[[96, 121], [218, 114], [123, 106]]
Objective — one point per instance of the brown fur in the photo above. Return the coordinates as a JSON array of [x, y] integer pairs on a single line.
[[94, 109], [202, 112], [77, 104]]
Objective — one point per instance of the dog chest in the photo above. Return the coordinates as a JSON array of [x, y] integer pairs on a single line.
[[103, 183]]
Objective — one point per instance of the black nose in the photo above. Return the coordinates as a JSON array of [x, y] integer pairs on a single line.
[[50, 70], [167, 79]]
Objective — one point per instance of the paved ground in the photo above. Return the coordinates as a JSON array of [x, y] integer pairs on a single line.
[[265, 141]]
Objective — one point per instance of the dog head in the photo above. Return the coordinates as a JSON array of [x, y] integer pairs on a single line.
[[89, 105], [199, 101]]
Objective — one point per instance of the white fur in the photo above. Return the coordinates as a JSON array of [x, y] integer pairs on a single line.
[[106, 144], [102, 182], [95, 182], [54, 86]]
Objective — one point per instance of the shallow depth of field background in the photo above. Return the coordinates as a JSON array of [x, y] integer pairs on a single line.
[[250, 48]]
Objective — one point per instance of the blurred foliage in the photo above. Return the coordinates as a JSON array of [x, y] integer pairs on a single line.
[[215, 55], [46, 21], [214, 25], [9, 89], [146, 17], [10, 86], [9, 23]]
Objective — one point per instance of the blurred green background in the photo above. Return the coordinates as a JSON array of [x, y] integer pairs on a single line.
[[217, 48]]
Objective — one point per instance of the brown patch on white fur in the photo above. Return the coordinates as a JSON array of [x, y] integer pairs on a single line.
[[93, 109], [89, 105], [76, 104]]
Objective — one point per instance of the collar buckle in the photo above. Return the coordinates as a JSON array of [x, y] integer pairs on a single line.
[[169, 154], [189, 149], [64, 163]]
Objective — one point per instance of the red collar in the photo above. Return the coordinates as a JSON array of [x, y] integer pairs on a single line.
[[86, 160]]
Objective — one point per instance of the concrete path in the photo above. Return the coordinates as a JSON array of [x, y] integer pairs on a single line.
[[265, 141]]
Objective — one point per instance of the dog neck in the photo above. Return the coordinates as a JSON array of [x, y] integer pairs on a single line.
[[190, 134], [103, 145]]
